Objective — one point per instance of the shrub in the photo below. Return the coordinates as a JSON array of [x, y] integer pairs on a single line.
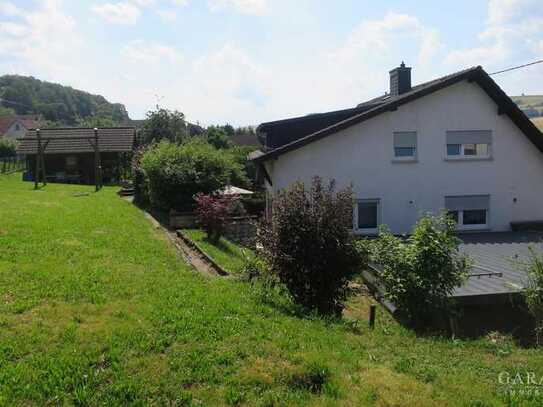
[[420, 273], [534, 292], [176, 173], [212, 211], [7, 148], [309, 245]]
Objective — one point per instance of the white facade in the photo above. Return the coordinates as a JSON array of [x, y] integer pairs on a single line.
[[363, 155], [16, 130]]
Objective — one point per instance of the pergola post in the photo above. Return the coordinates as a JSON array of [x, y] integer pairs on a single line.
[[38, 154], [97, 162]]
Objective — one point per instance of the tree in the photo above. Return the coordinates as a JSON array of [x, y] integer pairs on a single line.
[[163, 124], [175, 173], [217, 137], [309, 245], [7, 148], [420, 273]]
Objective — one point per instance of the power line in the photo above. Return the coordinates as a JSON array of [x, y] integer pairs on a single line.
[[517, 67]]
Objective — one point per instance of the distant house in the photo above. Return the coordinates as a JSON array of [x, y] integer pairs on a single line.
[[14, 127], [70, 154]]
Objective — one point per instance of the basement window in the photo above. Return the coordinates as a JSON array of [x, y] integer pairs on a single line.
[[470, 212], [368, 216]]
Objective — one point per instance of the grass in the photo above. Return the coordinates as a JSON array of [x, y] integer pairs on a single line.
[[229, 255], [96, 308]]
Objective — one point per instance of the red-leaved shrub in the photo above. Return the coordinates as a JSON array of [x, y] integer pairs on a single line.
[[212, 211]]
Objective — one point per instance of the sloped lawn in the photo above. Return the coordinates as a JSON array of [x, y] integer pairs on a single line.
[[97, 309], [228, 255]]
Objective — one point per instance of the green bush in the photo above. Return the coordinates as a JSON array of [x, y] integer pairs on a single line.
[[175, 173], [420, 273], [310, 247], [534, 292], [7, 148]]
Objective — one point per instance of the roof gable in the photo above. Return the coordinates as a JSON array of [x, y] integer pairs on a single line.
[[477, 74]]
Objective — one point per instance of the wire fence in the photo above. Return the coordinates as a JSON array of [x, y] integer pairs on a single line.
[[12, 164]]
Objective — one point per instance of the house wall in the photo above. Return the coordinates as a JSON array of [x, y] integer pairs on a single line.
[[13, 133], [362, 155]]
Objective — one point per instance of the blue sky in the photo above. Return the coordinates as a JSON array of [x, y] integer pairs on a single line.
[[249, 61]]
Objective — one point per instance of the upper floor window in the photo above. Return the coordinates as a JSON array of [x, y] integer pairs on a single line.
[[469, 211], [405, 145], [469, 144]]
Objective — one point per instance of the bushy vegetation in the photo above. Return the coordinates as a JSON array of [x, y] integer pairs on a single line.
[[175, 173], [57, 103], [309, 244], [104, 312], [534, 292], [7, 148], [212, 211], [420, 272]]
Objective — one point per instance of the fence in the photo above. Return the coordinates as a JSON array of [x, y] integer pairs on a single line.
[[12, 164]]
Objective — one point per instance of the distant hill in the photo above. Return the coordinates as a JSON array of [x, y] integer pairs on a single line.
[[538, 122], [60, 104], [532, 105]]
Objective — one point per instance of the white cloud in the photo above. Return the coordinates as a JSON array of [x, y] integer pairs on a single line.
[[181, 3], [167, 15], [9, 9], [512, 30], [253, 7], [43, 38], [124, 13], [151, 53], [144, 3]]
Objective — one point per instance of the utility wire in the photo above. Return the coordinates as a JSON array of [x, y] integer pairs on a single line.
[[517, 67]]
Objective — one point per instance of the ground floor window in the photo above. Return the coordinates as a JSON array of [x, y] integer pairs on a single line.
[[469, 211], [368, 215]]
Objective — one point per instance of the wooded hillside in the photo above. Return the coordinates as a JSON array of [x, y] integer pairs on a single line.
[[57, 103]]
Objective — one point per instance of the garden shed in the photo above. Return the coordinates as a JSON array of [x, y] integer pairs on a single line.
[[77, 155]]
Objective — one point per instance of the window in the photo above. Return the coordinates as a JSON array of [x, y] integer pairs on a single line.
[[17, 127], [368, 215], [469, 211], [405, 145], [469, 144]]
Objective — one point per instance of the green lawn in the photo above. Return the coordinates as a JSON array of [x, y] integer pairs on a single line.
[[96, 308], [230, 256]]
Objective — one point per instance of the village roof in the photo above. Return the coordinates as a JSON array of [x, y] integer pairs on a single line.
[[28, 121], [290, 134], [77, 140]]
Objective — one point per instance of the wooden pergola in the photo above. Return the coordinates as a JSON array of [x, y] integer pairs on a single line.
[[43, 142]]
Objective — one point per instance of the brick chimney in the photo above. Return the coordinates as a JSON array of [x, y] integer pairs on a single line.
[[400, 80]]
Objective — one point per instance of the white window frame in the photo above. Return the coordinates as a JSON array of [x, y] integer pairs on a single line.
[[461, 227], [368, 231], [408, 158], [463, 156]]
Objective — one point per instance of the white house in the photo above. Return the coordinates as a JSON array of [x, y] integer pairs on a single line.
[[15, 127], [458, 142]]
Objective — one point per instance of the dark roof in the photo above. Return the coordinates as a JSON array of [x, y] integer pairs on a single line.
[[294, 129], [498, 263], [69, 140], [281, 132]]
